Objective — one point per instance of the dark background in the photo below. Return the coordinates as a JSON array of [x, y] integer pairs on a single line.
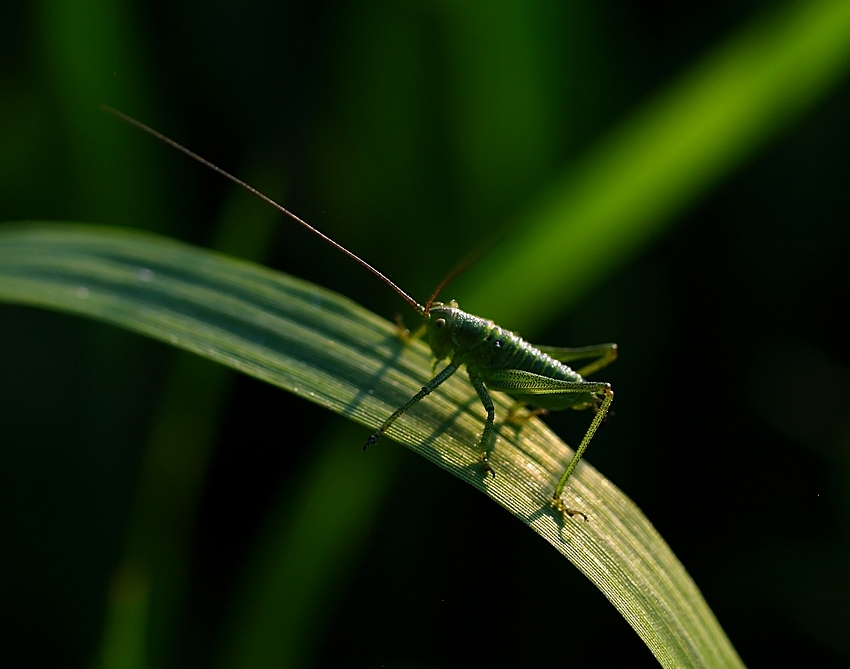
[[409, 132]]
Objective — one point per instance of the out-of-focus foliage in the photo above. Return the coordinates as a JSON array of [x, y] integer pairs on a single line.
[[411, 132]]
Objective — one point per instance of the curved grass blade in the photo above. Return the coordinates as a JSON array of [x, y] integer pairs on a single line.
[[326, 348]]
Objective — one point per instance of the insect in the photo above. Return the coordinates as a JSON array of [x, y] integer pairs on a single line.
[[495, 359]]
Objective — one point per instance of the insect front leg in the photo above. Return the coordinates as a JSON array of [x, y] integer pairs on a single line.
[[424, 392], [405, 335], [486, 400]]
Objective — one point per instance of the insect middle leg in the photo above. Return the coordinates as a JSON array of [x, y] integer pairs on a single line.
[[519, 413], [484, 443]]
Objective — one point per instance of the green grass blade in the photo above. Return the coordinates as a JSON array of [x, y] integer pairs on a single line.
[[327, 349], [631, 187], [275, 620]]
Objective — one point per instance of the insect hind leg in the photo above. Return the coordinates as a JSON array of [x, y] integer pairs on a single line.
[[602, 355], [598, 417], [529, 385]]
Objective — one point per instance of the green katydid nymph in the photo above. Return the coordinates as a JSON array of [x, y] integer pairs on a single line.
[[495, 359]]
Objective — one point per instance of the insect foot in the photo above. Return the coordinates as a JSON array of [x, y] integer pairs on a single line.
[[558, 505], [487, 468]]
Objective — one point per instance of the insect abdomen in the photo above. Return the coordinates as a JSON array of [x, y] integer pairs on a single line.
[[482, 345]]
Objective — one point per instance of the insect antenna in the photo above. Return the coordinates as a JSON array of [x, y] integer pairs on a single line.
[[167, 140], [471, 258]]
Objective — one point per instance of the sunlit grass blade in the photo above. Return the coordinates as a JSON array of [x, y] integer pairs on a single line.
[[611, 204], [325, 348]]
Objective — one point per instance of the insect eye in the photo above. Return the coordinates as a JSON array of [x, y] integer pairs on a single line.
[[439, 323]]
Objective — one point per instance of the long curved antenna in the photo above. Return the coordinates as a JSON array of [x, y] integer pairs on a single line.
[[129, 119]]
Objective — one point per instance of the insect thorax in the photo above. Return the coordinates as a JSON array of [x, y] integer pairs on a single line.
[[480, 344]]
